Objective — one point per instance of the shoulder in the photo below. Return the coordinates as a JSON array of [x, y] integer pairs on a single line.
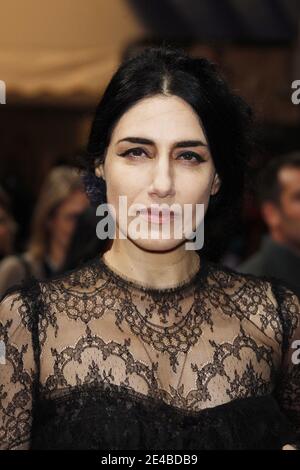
[[233, 278], [253, 265], [235, 282], [35, 306], [265, 300], [69, 294], [17, 304], [12, 271], [81, 279], [17, 321], [11, 264], [11, 260], [246, 289]]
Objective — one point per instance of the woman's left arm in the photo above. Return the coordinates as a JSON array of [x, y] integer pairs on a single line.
[[288, 388]]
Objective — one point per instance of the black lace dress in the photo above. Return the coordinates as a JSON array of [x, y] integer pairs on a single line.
[[94, 360]]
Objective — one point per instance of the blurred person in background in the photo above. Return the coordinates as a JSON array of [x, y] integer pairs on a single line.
[[61, 200], [279, 200], [84, 244], [8, 226]]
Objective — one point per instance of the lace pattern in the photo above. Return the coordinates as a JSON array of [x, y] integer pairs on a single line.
[[218, 339]]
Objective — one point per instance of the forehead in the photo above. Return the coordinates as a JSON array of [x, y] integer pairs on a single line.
[[160, 117], [289, 178]]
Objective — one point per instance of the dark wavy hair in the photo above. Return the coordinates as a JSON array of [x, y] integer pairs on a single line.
[[226, 118]]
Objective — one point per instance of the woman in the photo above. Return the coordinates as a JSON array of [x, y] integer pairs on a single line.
[[61, 200], [150, 346]]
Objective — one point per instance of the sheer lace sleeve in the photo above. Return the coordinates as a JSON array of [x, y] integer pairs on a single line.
[[17, 371], [288, 387]]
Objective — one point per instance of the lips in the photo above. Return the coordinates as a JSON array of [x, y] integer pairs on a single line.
[[153, 212], [157, 216]]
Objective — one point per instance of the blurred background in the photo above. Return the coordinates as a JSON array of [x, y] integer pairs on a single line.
[[56, 59]]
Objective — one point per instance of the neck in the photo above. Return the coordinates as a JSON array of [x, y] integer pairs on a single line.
[[56, 254], [281, 240], [156, 269]]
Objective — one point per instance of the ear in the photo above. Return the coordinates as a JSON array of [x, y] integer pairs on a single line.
[[99, 171], [215, 185], [270, 214]]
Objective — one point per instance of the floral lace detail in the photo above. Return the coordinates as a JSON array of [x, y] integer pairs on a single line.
[[122, 418], [218, 338]]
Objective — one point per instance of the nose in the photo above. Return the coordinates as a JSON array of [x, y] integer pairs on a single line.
[[162, 184]]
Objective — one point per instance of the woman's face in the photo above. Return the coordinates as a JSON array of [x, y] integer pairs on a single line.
[[158, 154]]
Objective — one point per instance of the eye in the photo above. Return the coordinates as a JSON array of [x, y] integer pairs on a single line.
[[133, 153], [192, 157]]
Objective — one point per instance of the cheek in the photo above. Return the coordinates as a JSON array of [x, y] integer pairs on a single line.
[[61, 227], [295, 209], [128, 185], [197, 194], [291, 208], [195, 189]]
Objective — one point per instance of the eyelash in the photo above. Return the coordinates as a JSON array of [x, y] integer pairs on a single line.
[[127, 153]]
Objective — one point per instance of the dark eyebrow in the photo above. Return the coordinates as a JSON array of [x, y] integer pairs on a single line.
[[183, 143]]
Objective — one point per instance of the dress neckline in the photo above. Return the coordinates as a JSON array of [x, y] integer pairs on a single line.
[[126, 281]]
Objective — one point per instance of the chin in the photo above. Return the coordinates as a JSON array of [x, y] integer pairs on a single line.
[[157, 245]]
